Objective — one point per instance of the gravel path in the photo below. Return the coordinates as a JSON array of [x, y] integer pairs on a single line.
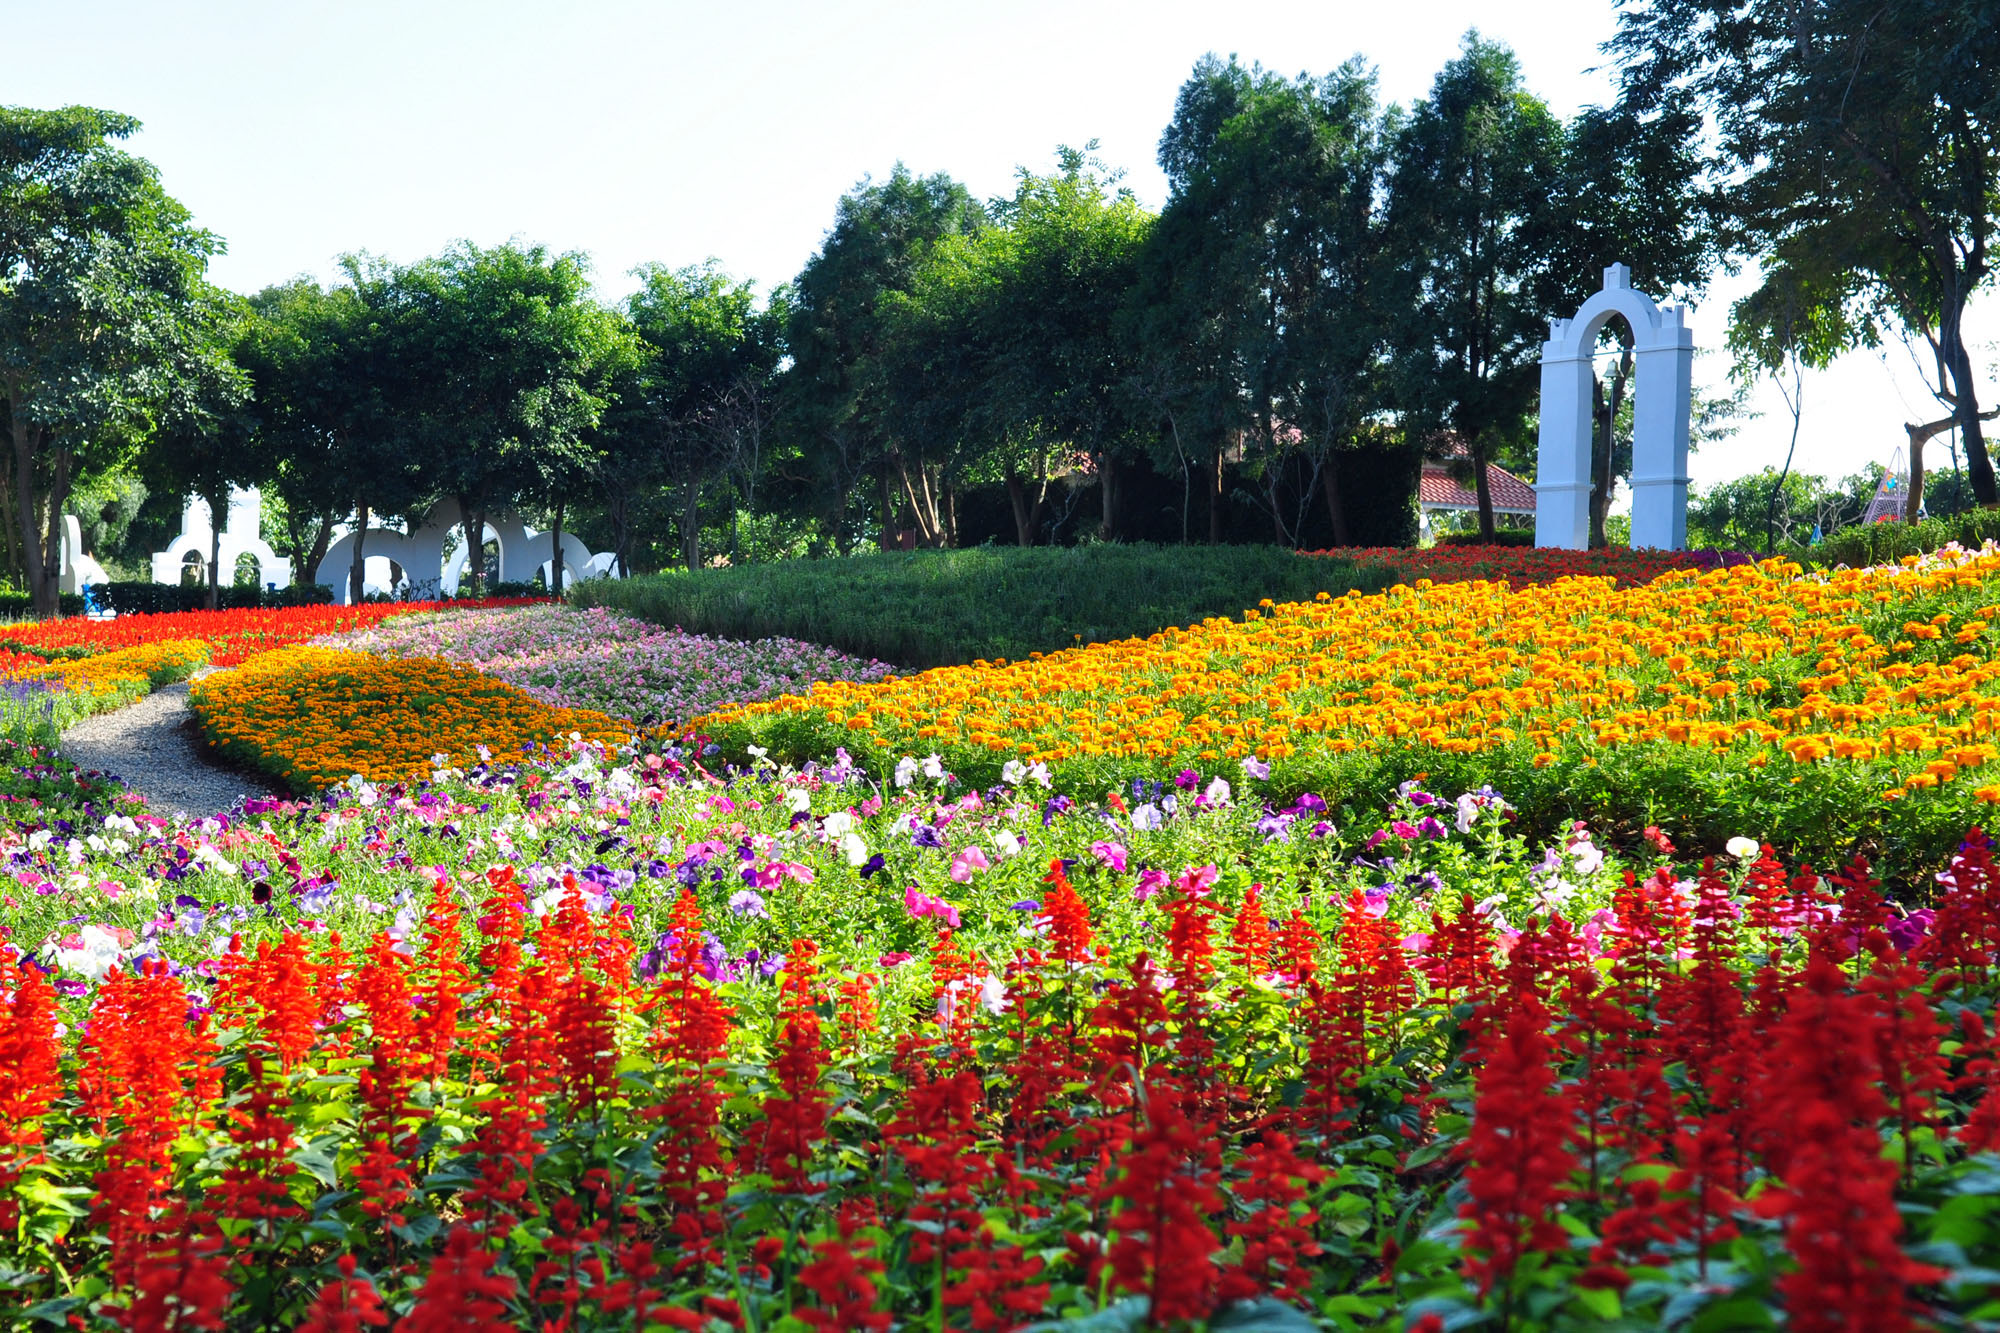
[[153, 746]]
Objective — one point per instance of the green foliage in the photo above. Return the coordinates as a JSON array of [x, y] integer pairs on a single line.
[[1857, 151], [104, 315], [930, 608], [1882, 543]]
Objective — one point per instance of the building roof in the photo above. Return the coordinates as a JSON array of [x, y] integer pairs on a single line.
[[1437, 490]]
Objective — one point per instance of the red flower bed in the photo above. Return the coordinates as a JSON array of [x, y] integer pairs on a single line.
[[230, 635], [494, 1119], [1520, 565]]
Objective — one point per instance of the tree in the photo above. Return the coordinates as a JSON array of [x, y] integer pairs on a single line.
[[1629, 190], [1476, 168], [833, 394], [100, 311], [497, 354], [1858, 149], [1269, 254], [699, 400], [1005, 353], [323, 367], [206, 440]]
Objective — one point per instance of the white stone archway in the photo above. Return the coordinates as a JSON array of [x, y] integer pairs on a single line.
[[1663, 353], [433, 550], [239, 538], [383, 544]]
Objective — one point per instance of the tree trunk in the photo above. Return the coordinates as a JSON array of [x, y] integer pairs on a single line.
[[691, 524], [1483, 490], [1215, 498], [472, 520], [322, 538], [213, 599], [1978, 463], [1027, 516], [52, 547], [556, 554], [1336, 512], [357, 571], [28, 439], [1919, 437], [1107, 485]]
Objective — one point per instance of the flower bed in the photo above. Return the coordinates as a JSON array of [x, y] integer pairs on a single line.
[[612, 663], [231, 635], [1523, 565], [316, 716], [39, 699], [779, 1051], [1863, 703]]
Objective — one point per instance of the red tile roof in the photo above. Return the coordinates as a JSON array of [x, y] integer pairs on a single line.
[[1435, 487]]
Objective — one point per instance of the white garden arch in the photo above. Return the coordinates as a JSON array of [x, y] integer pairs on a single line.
[[1663, 353]]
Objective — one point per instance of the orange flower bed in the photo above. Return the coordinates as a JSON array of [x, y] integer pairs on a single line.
[[316, 716], [231, 636], [1524, 565]]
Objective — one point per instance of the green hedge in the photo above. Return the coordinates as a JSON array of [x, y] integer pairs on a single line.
[[935, 608], [1501, 537], [1882, 543], [130, 599]]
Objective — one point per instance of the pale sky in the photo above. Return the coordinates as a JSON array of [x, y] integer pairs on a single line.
[[674, 132]]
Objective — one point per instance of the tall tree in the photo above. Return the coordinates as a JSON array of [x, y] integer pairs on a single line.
[[496, 354], [100, 311], [1007, 354], [699, 402], [833, 394], [1630, 190], [1476, 168], [1273, 238], [1858, 148], [206, 442], [323, 367]]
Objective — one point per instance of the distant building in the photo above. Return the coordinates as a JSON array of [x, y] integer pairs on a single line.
[[1442, 499]]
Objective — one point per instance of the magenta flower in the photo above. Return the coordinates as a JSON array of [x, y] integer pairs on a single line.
[[968, 863], [920, 904], [1111, 853], [1196, 883]]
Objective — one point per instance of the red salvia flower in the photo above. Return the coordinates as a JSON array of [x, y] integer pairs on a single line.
[[30, 1063], [1518, 1153], [1161, 1199], [1069, 919], [794, 1119], [1250, 936], [841, 1278], [346, 1304], [462, 1294]]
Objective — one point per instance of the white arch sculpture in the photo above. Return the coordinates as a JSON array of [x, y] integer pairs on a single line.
[[1663, 350], [432, 553], [239, 538]]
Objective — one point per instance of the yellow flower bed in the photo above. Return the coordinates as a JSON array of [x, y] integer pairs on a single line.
[[112, 680], [1763, 662], [316, 716]]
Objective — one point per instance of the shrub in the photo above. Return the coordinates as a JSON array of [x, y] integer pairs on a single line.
[[1884, 543], [141, 598], [932, 608], [1501, 537]]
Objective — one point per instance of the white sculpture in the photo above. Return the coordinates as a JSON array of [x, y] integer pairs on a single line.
[[239, 538], [78, 569], [1663, 348], [433, 555]]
